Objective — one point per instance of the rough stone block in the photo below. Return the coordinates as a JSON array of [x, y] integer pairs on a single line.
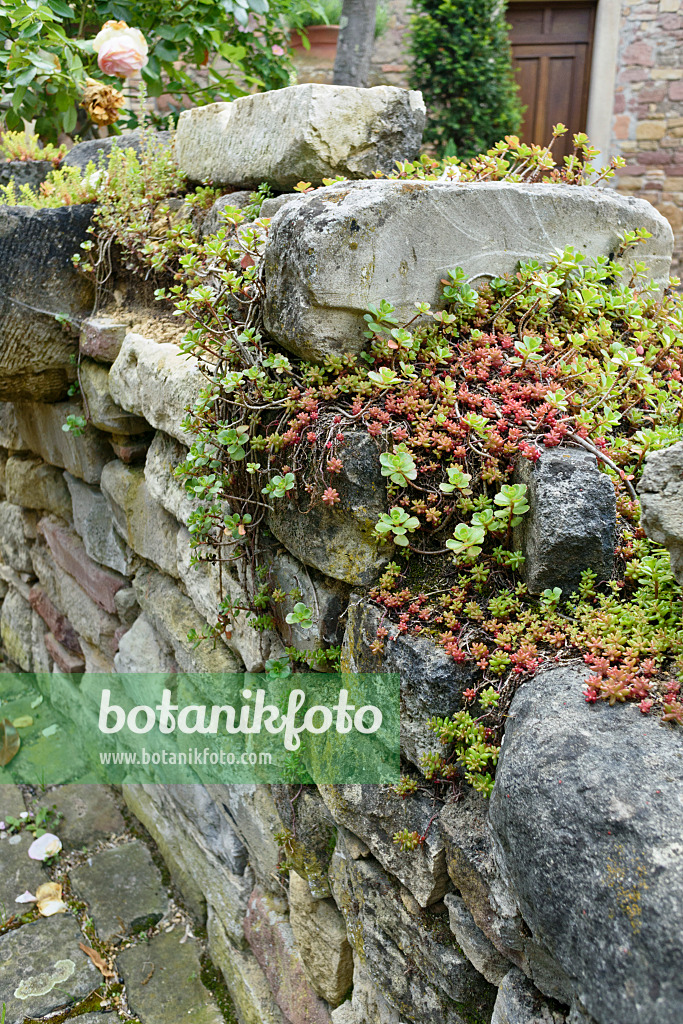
[[94, 522], [90, 814], [156, 381], [146, 527], [301, 133], [247, 984], [16, 630], [16, 527], [41, 428], [165, 454], [66, 660], [102, 410], [519, 1002], [37, 282], [331, 254], [57, 623], [214, 221], [10, 436], [661, 499], [478, 949], [320, 935], [69, 553], [269, 934], [328, 600], [141, 649], [571, 522], [40, 656], [17, 871], [102, 337], [123, 890], [252, 814], [34, 484]]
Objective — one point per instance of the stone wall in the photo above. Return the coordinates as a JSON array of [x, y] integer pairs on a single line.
[[556, 901]]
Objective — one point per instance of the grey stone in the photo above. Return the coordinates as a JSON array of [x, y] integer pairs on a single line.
[[16, 527], [204, 855], [42, 968], [304, 132], [320, 935], [214, 221], [375, 814], [252, 814], [163, 983], [17, 872], [141, 649], [93, 150], [661, 500], [339, 541], [586, 822], [41, 427], [102, 411], [326, 598], [248, 986], [38, 281], [123, 890], [94, 522], [102, 337], [25, 172], [367, 1002], [157, 381], [571, 523], [34, 484], [164, 455], [173, 616], [40, 656], [16, 630], [3, 474], [90, 814], [312, 835], [410, 953], [432, 682], [270, 207], [479, 950], [11, 801], [145, 526], [10, 435], [348, 245], [519, 1002], [127, 607]]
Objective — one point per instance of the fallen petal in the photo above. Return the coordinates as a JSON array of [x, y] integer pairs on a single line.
[[47, 908], [26, 897], [47, 846]]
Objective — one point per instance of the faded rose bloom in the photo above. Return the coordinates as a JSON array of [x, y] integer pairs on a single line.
[[121, 50], [278, 50], [101, 102]]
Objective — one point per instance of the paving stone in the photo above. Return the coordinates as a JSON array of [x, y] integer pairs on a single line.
[[98, 1018], [17, 873], [69, 553], [123, 890], [11, 801], [90, 813], [42, 968], [174, 992]]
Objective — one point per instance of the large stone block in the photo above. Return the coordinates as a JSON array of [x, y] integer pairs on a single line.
[[146, 527], [94, 522], [247, 984], [34, 484], [661, 499], [16, 619], [37, 282], [164, 456], [101, 409], [141, 649], [157, 381], [10, 435], [58, 624], [304, 132], [17, 528], [41, 428], [102, 337], [320, 935], [69, 553], [326, 598], [332, 253], [571, 523], [586, 818]]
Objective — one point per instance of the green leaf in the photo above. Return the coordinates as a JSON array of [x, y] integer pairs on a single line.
[[69, 119], [59, 7]]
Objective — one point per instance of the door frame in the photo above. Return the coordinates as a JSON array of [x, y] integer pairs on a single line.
[[603, 75]]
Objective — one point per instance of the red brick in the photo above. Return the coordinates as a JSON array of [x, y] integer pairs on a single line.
[[655, 157], [66, 660], [676, 91], [634, 75], [639, 53], [57, 623], [69, 553]]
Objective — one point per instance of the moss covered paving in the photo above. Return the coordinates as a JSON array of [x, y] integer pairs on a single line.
[[568, 352]]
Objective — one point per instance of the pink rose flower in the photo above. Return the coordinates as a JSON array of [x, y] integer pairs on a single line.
[[277, 50], [121, 50]]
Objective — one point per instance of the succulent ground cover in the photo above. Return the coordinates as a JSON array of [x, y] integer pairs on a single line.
[[565, 352]]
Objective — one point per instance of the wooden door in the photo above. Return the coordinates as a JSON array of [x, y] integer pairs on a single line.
[[551, 51]]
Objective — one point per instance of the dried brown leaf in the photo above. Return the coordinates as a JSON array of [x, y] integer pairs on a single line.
[[9, 742], [98, 961]]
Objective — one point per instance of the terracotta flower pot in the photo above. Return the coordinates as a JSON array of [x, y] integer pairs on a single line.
[[323, 40]]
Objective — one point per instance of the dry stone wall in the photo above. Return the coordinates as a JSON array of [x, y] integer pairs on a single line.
[[501, 915]]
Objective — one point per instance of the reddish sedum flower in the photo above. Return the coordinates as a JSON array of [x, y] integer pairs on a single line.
[[330, 497]]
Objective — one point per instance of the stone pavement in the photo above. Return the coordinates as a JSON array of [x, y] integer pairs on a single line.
[[147, 961]]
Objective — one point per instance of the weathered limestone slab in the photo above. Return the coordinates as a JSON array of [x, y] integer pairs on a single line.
[[519, 1002], [348, 245], [42, 968], [156, 381], [304, 132], [251, 812], [102, 410], [661, 499], [479, 950], [65, 659], [102, 337], [320, 935], [248, 986], [94, 522], [269, 934], [41, 428], [69, 554], [328, 598], [123, 890], [16, 630], [10, 436], [585, 818], [141, 649], [37, 282], [34, 484], [571, 523], [17, 526], [58, 624], [164, 456], [173, 990], [90, 814], [146, 527]]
